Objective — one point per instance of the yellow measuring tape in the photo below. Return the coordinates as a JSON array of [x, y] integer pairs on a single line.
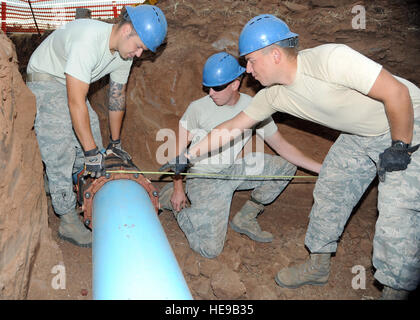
[[209, 174]]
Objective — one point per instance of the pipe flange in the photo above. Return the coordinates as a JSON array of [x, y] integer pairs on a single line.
[[89, 193]]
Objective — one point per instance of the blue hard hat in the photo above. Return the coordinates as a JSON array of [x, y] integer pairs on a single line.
[[149, 23], [264, 30], [221, 68]]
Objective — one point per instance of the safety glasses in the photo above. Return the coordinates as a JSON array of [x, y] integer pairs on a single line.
[[219, 88]]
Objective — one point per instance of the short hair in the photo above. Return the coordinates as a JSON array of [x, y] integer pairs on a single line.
[[124, 19], [291, 52], [240, 78]]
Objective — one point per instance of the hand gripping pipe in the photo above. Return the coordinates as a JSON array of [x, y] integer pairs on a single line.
[[132, 258]]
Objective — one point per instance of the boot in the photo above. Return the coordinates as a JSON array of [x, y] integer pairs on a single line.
[[73, 230], [389, 293], [314, 271], [245, 221], [165, 196]]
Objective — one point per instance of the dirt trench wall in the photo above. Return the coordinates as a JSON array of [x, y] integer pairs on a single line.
[[24, 234]]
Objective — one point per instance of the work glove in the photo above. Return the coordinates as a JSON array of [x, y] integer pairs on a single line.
[[178, 165], [94, 163], [114, 147], [395, 158]]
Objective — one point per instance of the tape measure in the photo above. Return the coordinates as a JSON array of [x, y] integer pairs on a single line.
[[215, 175]]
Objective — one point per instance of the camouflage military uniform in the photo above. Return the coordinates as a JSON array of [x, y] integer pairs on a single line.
[[205, 221], [60, 149], [347, 171]]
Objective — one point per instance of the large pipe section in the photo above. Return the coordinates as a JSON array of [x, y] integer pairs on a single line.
[[132, 258]]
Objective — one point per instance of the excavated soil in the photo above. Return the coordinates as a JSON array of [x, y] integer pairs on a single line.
[[160, 90]]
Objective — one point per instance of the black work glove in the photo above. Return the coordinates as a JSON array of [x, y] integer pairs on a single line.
[[114, 147], [395, 158], [179, 164], [94, 163]]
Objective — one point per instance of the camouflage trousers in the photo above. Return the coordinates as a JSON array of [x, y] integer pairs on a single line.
[[205, 221], [60, 149], [347, 171]]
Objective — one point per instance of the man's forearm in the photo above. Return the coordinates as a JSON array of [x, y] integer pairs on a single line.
[[222, 134], [178, 184], [116, 107], [81, 124], [216, 138], [291, 153], [397, 103], [184, 139], [76, 94], [115, 124], [400, 115]]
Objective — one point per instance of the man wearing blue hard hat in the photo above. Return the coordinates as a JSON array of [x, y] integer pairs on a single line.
[[205, 221], [59, 74], [379, 115]]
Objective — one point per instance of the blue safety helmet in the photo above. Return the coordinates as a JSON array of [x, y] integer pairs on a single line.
[[149, 23], [264, 30], [221, 68]]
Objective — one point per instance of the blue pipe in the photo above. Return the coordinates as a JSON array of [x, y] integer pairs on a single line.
[[132, 258]]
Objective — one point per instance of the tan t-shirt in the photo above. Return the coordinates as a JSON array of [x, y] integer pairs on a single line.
[[203, 115], [330, 88], [80, 48]]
